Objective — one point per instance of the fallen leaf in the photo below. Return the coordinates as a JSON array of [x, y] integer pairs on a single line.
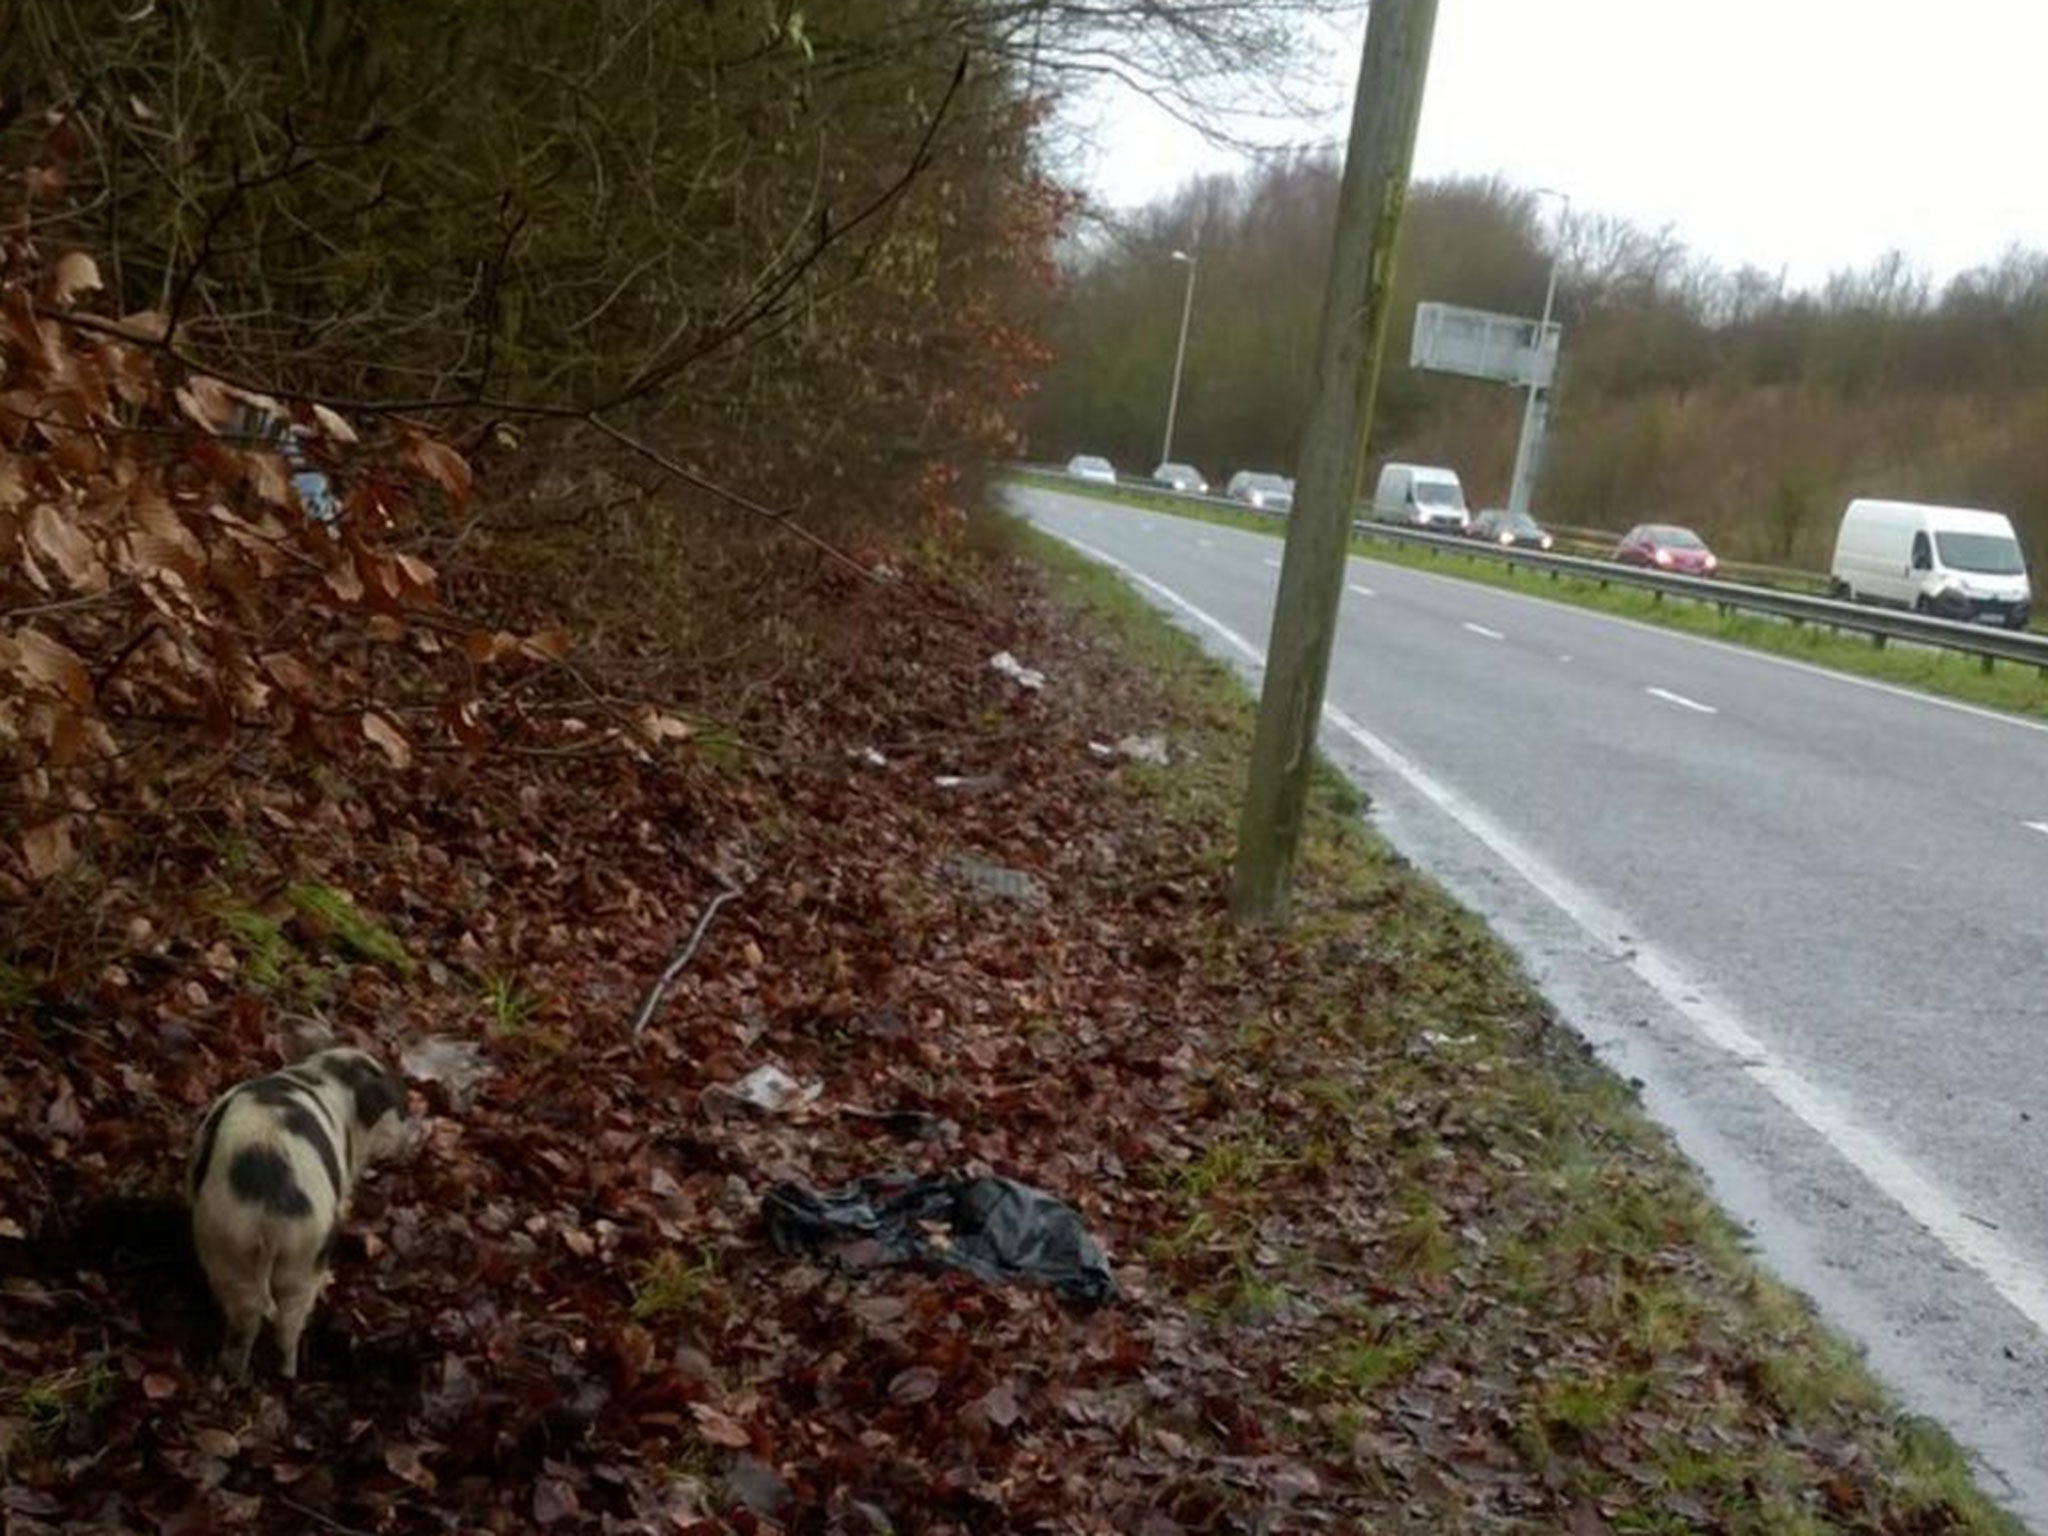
[[335, 425], [915, 1385], [156, 1386], [999, 1404], [67, 547], [404, 1460], [76, 273], [48, 849], [719, 1427], [217, 1442], [554, 1500], [387, 737]]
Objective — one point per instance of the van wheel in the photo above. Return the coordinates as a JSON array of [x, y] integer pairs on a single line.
[[1841, 591], [1921, 605]]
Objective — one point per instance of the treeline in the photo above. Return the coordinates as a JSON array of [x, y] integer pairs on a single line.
[[782, 241], [1719, 398], [789, 243]]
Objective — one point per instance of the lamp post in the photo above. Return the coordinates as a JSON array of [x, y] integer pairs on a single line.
[[1536, 411], [1180, 352]]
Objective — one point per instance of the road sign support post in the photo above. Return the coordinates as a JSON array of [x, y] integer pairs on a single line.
[[1384, 113]]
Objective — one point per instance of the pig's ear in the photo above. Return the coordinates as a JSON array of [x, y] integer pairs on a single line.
[[376, 1092]]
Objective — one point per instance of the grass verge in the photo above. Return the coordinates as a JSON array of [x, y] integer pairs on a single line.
[[1480, 1282], [2015, 688]]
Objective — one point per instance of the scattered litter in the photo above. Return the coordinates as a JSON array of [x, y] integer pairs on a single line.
[[973, 783], [1101, 749], [871, 757], [997, 1229], [1144, 749], [1436, 1039], [995, 879], [1011, 667], [458, 1065], [769, 1089]]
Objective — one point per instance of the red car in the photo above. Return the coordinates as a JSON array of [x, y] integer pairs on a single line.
[[1668, 548]]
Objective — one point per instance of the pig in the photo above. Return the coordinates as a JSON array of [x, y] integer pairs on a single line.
[[272, 1170]]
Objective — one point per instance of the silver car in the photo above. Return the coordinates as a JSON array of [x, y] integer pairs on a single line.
[[1088, 466], [1261, 492], [1181, 477]]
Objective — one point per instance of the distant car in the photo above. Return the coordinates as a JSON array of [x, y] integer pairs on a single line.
[[1266, 493], [1088, 466], [1667, 547], [1510, 528], [1182, 477]]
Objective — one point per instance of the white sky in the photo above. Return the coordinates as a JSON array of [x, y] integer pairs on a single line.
[[1803, 135]]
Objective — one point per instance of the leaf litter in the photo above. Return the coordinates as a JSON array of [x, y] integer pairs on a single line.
[[1363, 1286]]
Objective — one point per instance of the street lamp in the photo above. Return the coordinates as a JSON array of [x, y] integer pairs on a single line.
[[1535, 412], [1180, 352]]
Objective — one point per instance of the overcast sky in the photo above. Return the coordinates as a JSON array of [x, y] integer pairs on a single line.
[[1802, 135]]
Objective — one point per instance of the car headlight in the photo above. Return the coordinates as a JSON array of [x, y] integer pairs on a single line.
[[1712, 563], [1258, 498], [1545, 541], [1663, 557], [1507, 538]]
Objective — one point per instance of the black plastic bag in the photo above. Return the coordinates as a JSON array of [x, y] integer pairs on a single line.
[[995, 1228]]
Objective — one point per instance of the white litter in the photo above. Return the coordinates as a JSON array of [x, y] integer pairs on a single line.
[[1011, 667], [773, 1090], [872, 758], [456, 1064], [1144, 749]]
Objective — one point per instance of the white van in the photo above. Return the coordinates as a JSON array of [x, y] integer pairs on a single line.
[[1421, 495], [1953, 562]]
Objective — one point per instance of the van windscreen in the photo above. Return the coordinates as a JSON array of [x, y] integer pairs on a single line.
[[1988, 554], [1438, 493]]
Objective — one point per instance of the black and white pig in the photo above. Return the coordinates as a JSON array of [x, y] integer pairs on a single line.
[[272, 1170]]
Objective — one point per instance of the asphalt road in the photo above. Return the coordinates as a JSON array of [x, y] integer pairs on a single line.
[[1810, 913]]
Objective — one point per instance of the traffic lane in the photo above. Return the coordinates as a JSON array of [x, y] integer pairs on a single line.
[[1725, 838], [1872, 890], [1758, 870]]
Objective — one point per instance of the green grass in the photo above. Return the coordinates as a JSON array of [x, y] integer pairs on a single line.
[[50, 1407], [334, 918], [2014, 687], [670, 1286], [1528, 1228]]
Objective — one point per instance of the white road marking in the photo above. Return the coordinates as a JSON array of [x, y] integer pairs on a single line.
[[1483, 631], [1206, 543], [1681, 701], [2038, 826], [1275, 564], [1353, 586], [2003, 1267], [1561, 656], [1553, 606]]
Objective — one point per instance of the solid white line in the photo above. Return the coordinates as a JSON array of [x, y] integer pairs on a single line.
[[1482, 630], [1353, 586], [1681, 700], [2023, 1287], [2038, 826], [1273, 563]]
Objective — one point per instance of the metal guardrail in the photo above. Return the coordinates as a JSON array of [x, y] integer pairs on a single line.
[[1881, 624]]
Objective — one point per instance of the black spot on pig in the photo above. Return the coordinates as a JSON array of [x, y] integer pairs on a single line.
[[376, 1092], [261, 1176], [302, 1116]]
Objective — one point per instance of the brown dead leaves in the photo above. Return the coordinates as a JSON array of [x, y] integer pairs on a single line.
[[166, 592]]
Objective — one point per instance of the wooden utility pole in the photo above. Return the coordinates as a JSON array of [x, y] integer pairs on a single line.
[[1383, 118]]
